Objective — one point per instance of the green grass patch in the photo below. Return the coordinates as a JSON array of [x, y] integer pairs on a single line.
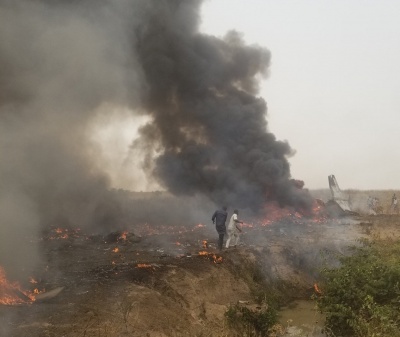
[[361, 298]]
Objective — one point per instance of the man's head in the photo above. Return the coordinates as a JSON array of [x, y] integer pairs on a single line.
[[236, 211], [224, 208]]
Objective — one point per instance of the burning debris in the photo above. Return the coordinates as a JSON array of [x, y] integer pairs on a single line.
[[317, 290], [144, 265], [121, 237], [211, 256], [11, 293], [62, 233]]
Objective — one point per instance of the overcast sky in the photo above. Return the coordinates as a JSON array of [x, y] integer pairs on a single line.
[[333, 87]]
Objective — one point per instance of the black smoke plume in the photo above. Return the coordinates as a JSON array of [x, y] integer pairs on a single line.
[[61, 61], [208, 127]]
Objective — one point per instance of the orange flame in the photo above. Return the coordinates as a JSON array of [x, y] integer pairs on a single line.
[[116, 249], [205, 244], [211, 256], [36, 291], [11, 292], [217, 259], [63, 233], [317, 290], [144, 265], [274, 213], [123, 235]]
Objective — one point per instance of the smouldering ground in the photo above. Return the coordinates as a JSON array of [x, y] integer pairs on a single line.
[[160, 285]]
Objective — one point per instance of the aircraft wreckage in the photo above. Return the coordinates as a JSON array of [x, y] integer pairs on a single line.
[[340, 202]]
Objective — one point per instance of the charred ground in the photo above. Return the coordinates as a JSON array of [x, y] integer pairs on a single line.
[[160, 284]]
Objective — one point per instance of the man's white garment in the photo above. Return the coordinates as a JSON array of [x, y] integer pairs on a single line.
[[233, 232]]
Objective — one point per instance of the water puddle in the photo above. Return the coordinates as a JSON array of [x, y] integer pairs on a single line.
[[302, 319]]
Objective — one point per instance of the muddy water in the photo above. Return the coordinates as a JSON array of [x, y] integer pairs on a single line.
[[302, 319]]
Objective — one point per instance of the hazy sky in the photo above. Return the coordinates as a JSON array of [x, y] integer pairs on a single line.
[[333, 87]]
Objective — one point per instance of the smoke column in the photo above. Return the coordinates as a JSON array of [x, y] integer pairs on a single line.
[[208, 126], [61, 61]]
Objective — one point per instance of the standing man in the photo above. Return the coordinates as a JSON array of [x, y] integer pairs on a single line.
[[394, 206], [219, 219], [234, 229]]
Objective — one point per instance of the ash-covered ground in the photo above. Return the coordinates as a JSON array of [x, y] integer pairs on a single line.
[[169, 280]]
